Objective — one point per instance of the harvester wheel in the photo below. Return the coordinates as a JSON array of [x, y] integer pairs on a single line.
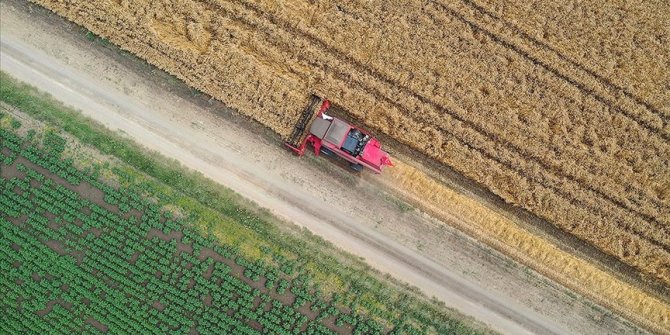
[[356, 167]]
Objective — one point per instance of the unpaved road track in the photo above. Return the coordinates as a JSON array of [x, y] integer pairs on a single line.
[[265, 173], [120, 112]]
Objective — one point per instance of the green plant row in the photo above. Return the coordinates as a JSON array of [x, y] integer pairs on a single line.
[[301, 258], [97, 242]]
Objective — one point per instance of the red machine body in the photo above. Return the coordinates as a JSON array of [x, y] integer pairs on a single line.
[[330, 135]]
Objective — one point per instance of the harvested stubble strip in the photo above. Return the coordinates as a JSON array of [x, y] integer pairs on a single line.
[[241, 70], [649, 230], [508, 237], [555, 152]]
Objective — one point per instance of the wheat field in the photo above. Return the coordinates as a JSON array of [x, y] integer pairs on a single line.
[[631, 40], [544, 113]]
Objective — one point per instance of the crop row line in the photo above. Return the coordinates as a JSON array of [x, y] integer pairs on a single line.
[[621, 172], [380, 77], [602, 79], [535, 60]]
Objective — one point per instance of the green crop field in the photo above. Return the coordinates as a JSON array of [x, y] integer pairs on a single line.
[[113, 246], [115, 261]]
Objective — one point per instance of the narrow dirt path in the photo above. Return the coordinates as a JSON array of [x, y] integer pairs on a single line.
[[117, 112], [463, 274]]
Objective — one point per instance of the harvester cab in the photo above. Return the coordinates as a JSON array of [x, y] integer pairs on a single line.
[[332, 136]]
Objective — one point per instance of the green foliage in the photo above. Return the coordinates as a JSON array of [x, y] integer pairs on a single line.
[[53, 142], [199, 198], [91, 36], [15, 124], [167, 171], [31, 134], [161, 270]]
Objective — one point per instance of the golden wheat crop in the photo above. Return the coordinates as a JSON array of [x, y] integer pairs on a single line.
[[539, 124], [626, 43]]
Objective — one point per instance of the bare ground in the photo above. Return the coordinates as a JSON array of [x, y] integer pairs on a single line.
[[210, 138]]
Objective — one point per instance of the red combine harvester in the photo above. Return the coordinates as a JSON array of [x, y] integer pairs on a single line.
[[331, 136]]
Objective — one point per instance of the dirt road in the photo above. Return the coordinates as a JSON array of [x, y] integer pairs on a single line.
[[465, 275]]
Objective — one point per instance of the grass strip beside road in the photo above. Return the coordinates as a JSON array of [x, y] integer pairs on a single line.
[[218, 211]]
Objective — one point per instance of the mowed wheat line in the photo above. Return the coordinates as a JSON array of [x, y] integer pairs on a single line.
[[262, 30], [626, 43], [615, 239], [460, 156], [620, 175], [489, 20], [470, 123]]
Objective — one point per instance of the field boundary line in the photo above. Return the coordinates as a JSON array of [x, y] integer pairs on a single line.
[[503, 234], [373, 73]]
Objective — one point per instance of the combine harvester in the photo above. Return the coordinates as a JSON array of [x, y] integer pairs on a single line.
[[331, 136]]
